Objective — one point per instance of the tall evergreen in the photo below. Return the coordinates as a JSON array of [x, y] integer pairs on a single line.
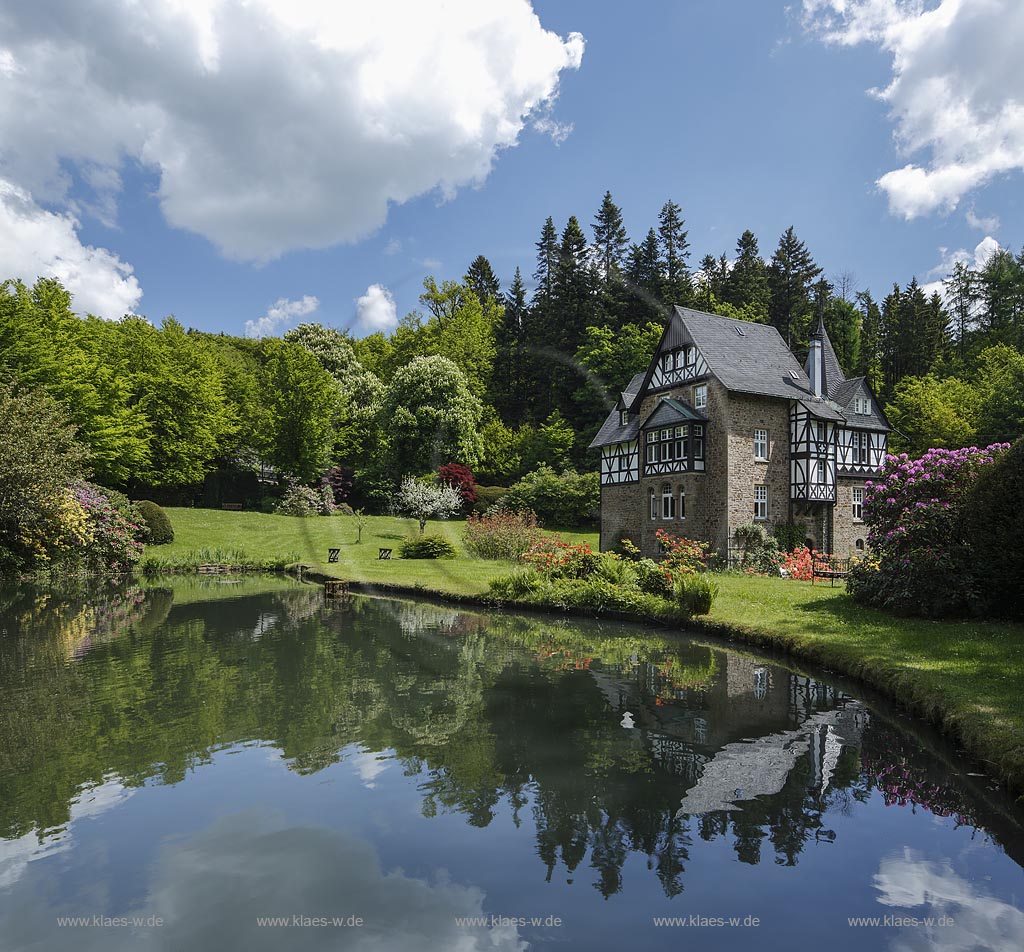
[[547, 262], [610, 240], [869, 363], [481, 280], [675, 252], [746, 285], [790, 275], [645, 277], [510, 390]]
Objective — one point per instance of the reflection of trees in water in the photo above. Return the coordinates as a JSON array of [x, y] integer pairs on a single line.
[[481, 709]]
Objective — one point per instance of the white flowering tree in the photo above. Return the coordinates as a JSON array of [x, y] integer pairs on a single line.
[[422, 501]]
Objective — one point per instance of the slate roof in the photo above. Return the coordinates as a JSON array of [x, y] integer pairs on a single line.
[[756, 361], [671, 412], [875, 420], [611, 430]]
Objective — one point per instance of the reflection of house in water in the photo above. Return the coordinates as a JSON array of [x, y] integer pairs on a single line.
[[741, 735]]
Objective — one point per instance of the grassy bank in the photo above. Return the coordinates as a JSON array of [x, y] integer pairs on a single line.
[[264, 537], [965, 676]]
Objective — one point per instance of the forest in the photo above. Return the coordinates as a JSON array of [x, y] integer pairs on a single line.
[[499, 376]]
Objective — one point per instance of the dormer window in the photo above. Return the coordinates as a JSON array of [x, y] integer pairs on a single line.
[[623, 417]]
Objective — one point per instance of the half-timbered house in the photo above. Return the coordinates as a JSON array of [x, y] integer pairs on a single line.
[[726, 426]]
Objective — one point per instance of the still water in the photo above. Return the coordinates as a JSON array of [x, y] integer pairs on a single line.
[[201, 765]]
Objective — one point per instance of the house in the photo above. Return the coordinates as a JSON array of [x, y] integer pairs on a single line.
[[725, 427]]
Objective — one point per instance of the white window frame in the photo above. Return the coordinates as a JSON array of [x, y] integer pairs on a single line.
[[654, 506], [682, 438], [682, 503], [858, 504], [700, 396], [761, 503], [668, 504], [761, 445], [623, 417], [821, 473]]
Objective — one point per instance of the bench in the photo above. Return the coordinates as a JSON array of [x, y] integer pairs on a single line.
[[829, 568], [232, 506], [384, 554]]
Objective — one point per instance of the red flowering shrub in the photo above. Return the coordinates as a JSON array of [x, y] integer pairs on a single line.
[[459, 476], [682, 556], [560, 559]]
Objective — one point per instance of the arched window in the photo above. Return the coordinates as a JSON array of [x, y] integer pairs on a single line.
[[860, 545], [654, 505]]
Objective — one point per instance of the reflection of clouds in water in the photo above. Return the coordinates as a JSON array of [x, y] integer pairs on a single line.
[[211, 888], [980, 921], [92, 800], [369, 765]]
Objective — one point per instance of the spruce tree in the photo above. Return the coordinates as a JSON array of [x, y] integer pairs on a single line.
[[610, 240], [869, 363], [481, 280], [746, 285], [645, 279], [510, 393], [790, 275], [675, 251], [547, 261]]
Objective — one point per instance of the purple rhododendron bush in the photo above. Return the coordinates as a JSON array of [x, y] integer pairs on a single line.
[[923, 560]]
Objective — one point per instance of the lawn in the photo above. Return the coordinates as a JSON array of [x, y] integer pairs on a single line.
[[264, 536], [966, 675]]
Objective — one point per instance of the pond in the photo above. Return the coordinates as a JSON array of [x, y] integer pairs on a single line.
[[217, 764]]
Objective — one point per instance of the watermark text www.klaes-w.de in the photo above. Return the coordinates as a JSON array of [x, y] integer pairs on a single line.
[[110, 922], [899, 921], [495, 921], [707, 922], [309, 922]]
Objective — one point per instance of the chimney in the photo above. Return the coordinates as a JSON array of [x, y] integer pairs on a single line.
[[815, 360]]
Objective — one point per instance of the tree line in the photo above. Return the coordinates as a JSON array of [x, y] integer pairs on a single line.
[[500, 378]]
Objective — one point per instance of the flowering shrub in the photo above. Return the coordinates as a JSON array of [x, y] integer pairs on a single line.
[[915, 517], [557, 558], [682, 556], [802, 562], [299, 500], [501, 534], [760, 550], [114, 528]]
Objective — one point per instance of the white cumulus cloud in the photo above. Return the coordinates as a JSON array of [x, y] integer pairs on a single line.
[[375, 310], [975, 261], [282, 312], [956, 94], [272, 124], [38, 243]]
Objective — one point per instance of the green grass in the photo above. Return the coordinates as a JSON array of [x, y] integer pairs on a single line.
[[965, 675], [262, 536]]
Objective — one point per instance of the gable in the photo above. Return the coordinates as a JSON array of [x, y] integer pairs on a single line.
[[847, 396]]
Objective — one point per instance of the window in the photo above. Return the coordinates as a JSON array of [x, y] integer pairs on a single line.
[[821, 471], [858, 505], [623, 417], [668, 503], [682, 503], [760, 502], [861, 446], [654, 505], [666, 361], [760, 683], [760, 444], [682, 439], [860, 545], [700, 396], [862, 405], [652, 448], [680, 358], [698, 441]]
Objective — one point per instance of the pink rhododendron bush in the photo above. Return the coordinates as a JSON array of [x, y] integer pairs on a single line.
[[921, 561]]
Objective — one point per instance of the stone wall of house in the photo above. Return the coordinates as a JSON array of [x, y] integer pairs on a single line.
[[747, 413], [846, 532], [621, 514]]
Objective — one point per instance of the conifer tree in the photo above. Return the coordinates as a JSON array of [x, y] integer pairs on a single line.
[[869, 363], [790, 275], [509, 387], [675, 251], [481, 280], [610, 240], [645, 279], [746, 285]]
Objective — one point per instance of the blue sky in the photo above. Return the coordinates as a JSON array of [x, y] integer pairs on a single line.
[[210, 181]]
